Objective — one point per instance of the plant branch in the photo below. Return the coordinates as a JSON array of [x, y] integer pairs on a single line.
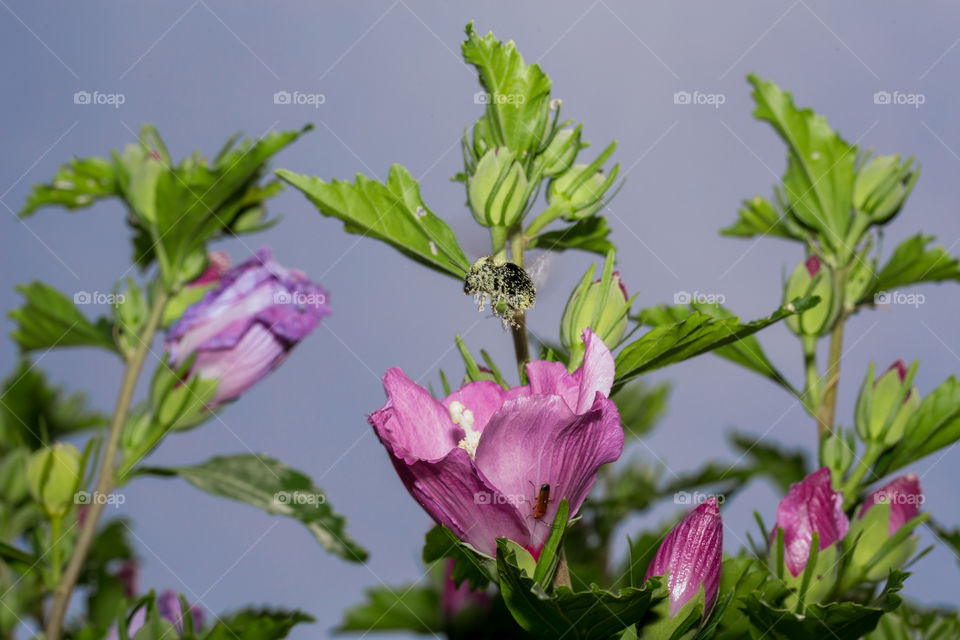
[[827, 410], [106, 479], [521, 343]]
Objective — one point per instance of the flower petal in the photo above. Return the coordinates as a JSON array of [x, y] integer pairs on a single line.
[[483, 398], [810, 505], [579, 388], [412, 424], [239, 367], [538, 440]]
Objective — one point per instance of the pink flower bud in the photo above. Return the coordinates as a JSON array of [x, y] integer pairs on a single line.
[[904, 496]]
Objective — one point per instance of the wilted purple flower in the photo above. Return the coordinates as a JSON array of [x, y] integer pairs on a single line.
[[904, 496], [811, 505], [478, 460], [245, 327], [692, 553]]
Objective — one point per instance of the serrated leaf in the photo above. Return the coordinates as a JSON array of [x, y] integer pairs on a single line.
[[589, 234], [468, 565], [585, 615], [839, 620], [257, 624], [820, 165], [393, 213], [405, 608], [50, 319], [695, 334], [913, 262], [934, 425], [268, 484], [747, 351], [77, 184], [517, 93], [759, 217]]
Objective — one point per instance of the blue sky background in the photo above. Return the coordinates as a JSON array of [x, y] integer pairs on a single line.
[[396, 91]]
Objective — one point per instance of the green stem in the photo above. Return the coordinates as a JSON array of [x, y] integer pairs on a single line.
[[851, 487], [521, 343], [56, 528], [106, 479], [546, 217], [811, 398], [827, 410]]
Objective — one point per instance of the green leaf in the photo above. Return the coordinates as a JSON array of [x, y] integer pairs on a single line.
[[517, 93], [838, 620], [49, 319], [469, 564], [695, 334], [820, 165], [589, 234], [746, 351], [268, 484], [76, 184], [257, 624], [31, 405], [586, 615], [934, 425], [549, 557], [760, 217], [641, 406], [393, 213], [407, 607], [913, 262], [16, 557]]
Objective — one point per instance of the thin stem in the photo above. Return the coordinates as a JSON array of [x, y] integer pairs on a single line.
[[56, 526], [106, 479], [827, 411], [852, 486], [546, 217], [521, 343]]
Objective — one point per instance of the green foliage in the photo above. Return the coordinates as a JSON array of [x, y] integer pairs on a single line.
[[695, 334], [393, 213], [593, 614], [913, 262], [589, 234], [407, 607], [268, 484], [256, 624], [49, 319], [470, 565]]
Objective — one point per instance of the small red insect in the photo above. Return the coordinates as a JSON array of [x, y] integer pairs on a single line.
[[541, 502]]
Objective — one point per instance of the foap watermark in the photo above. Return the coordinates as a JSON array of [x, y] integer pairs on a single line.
[[895, 497], [485, 497], [95, 297], [698, 97], [899, 98], [97, 97], [698, 297], [696, 498], [299, 98], [890, 298], [109, 499], [299, 498], [482, 97], [300, 299]]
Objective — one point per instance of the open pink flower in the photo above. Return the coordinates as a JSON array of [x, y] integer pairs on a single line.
[[811, 505], [477, 460]]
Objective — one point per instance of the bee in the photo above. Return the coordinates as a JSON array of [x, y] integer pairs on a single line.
[[510, 290]]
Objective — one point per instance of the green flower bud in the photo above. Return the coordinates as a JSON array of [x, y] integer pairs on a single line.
[[881, 187], [859, 278], [812, 277], [601, 305], [53, 475], [884, 514], [561, 152], [837, 452], [578, 192], [886, 404], [497, 190]]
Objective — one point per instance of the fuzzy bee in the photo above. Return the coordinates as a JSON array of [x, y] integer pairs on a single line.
[[509, 288]]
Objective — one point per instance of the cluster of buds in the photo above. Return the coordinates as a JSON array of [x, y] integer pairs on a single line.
[[602, 305]]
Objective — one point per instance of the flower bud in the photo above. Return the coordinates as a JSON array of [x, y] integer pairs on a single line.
[[883, 514], [53, 475], [244, 328], [601, 305], [218, 264], [881, 187], [886, 404], [837, 452], [813, 277], [811, 506], [690, 559], [497, 190], [561, 152], [578, 192]]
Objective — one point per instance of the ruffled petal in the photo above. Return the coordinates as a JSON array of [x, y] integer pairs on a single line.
[[538, 440], [579, 388], [412, 423], [810, 505], [239, 367]]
